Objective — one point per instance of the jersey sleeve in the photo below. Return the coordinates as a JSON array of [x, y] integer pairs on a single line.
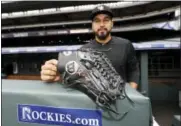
[[133, 70]]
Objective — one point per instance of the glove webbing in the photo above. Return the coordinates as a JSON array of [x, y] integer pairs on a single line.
[[104, 84]]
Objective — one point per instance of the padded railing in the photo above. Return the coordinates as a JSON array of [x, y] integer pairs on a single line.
[[39, 96]]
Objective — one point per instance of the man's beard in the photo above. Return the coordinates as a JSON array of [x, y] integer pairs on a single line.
[[103, 35]]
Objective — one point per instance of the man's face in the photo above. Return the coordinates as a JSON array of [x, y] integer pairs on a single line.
[[102, 25]]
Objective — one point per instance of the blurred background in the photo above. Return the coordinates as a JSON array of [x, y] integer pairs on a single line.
[[35, 31]]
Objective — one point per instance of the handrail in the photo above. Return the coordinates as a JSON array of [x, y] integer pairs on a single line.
[[153, 45], [171, 25]]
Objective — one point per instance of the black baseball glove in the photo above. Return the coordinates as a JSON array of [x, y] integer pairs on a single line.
[[91, 71]]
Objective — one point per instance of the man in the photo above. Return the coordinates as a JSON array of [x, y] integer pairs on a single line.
[[120, 51]]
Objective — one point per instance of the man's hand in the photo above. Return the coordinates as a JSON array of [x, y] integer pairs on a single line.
[[49, 72], [133, 85]]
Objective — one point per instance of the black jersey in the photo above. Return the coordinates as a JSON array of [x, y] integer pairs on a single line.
[[122, 55]]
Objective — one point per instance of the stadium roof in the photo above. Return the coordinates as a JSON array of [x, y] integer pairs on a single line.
[[14, 6]]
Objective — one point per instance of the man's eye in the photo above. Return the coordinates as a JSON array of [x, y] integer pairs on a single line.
[[106, 20], [96, 21]]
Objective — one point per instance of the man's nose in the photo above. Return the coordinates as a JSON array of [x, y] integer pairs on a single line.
[[101, 23]]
